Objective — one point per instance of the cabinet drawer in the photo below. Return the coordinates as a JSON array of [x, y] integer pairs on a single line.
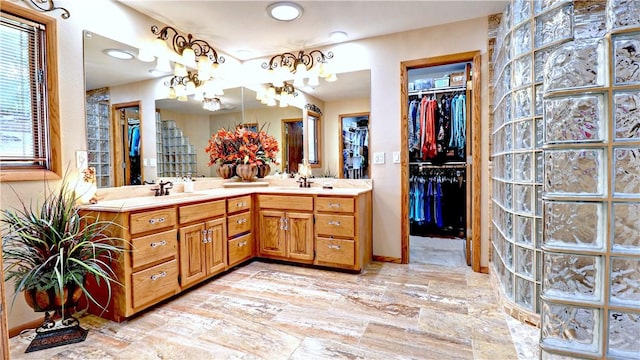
[[335, 251], [335, 204], [240, 249], [337, 225], [195, 212], [152, 220], [155, 283], [304, 203], [238, 204], [152, 248], [237, 224]]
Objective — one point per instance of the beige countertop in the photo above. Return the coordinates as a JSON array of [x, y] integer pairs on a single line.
[[149, 201]]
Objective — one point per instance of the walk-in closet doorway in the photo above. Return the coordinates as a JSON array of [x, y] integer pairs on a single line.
[[440, 154]]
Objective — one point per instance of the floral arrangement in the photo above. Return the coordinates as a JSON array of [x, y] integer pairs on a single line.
[[241, 146]]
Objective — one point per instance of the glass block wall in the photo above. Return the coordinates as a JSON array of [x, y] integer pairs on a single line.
[[591, 269], [527, 34]]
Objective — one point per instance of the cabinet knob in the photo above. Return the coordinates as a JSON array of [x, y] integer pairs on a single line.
[[242, 243], [158, 243], [158, 276], [158, 220]]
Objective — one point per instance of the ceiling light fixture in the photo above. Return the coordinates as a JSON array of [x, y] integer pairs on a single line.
[[338, 36], [211, 104], [287, 65], [119, 54], [284, 11]]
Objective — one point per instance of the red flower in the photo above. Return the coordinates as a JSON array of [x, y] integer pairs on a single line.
[[241, 146]]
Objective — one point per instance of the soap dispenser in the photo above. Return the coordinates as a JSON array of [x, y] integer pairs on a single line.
[[188, 184]]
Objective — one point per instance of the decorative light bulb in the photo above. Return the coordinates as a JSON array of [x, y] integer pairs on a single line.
[[160, 48], [204, 68], [172, 93], [332, 78], [313, 79], [189, 57], [191, 87]]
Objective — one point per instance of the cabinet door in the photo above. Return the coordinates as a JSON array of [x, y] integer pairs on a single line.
[[216, 247], [192, 253], [272, 233], [299, 228]]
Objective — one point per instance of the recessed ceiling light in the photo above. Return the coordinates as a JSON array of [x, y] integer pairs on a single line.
[[119, 54], [338, 36], [284, 11]]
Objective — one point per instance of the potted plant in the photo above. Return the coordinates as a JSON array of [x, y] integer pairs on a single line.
[[49, 251], [248, 151]]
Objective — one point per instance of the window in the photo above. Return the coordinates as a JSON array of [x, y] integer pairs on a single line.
[[314, 140], [29, 127]]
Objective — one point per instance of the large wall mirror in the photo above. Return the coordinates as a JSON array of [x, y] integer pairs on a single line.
[[187, 126]]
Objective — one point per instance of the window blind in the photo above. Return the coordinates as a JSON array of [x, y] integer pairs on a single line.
[[23, 94]]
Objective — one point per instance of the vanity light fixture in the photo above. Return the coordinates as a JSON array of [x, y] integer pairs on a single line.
[[119, 54], [311, 65], [187, 51], [181, 87], [283, 94], [284, 11]]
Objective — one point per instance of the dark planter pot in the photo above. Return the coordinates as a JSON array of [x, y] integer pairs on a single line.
[[226, 171], [50, 300], [263, 170], [246, 172]]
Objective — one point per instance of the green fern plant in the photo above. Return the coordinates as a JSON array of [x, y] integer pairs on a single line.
[[55, 245]]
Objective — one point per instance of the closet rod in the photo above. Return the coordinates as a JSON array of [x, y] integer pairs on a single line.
[[437, 91], [443, 166]]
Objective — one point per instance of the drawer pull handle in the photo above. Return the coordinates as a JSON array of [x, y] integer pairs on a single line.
[[242, 243], [158, 243], [336, 223], [241, 204], [334, 205], [241, 221], [337, 247], [158, 276], [158, 220]]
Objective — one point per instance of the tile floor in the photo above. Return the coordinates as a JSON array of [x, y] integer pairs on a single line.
[[276, 311]]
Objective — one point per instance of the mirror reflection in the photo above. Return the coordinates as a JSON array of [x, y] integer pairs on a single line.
[[185, 133]]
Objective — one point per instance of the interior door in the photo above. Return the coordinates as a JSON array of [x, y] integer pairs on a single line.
[[293, 145], [127, 144]]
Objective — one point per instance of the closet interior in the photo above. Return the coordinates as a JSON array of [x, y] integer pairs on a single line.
[[438, 139]]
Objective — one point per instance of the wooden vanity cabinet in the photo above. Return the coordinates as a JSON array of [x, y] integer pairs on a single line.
[[286, 227], [343, 231], [240, 223], [202, 240]]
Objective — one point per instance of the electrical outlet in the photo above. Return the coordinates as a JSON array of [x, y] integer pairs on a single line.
[[378, 158], [396, 157]]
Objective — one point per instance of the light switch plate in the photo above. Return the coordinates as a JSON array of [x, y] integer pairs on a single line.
[[378, 158], [145, 163], [396, 157], [153, 162]]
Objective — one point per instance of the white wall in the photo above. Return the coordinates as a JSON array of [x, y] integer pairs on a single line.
[[382, 55]]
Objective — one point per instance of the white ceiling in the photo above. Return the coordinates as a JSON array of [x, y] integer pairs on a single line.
[[243, 30]]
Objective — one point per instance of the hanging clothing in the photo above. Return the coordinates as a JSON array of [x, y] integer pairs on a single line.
[[134, 140], [437, 202]]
